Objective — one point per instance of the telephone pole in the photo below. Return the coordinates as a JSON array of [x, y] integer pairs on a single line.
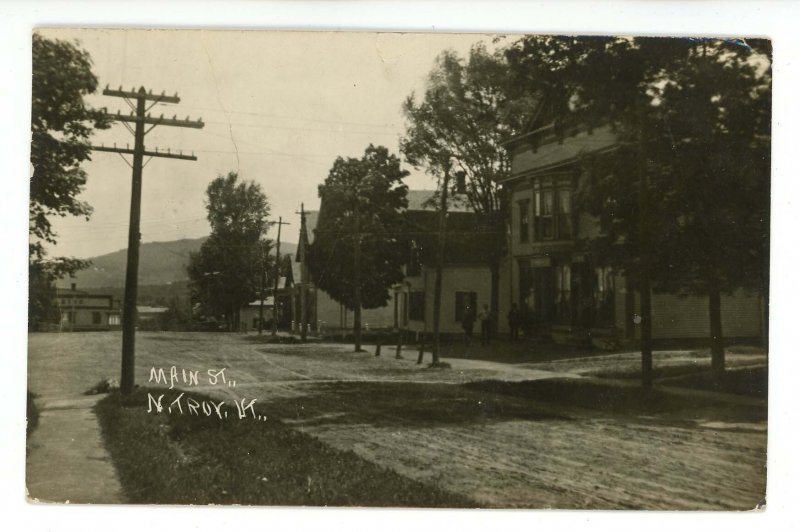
[[139, 116], [303, 274], [277, 278], [263, 288]]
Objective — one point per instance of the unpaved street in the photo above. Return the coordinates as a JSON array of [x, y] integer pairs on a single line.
[[500, 451]]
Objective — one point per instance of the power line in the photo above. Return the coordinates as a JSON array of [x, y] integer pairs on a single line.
[[298, 128], [294, 117], [98, 226]]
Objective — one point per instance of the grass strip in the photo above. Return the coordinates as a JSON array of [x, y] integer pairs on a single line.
[[750, 381], [202, 459], [585, 393], [738, 381]]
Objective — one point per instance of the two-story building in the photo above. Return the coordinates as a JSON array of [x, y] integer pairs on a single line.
[[564, 291], [82, 311], [466, 276]]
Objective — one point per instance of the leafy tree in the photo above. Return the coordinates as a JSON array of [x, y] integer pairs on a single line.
[[225, 274], [684, 199], [61, 124], [460, 123], [366, 196], [176, 318]]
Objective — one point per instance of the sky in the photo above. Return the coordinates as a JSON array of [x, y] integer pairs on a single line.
[[278, 107]]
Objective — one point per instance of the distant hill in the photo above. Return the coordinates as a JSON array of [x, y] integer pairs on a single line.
[[160, 263], [152, 295]]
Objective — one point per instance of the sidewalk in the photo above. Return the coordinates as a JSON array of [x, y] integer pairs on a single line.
[[506, 351], [66, 459]]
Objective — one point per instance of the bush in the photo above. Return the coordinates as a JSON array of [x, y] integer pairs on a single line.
[[106, 385]]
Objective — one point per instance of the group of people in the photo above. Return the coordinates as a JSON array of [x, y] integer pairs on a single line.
[[486, 319]]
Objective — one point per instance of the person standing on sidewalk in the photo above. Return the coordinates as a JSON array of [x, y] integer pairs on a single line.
[[485, 318], [513, 322], [468, 323]]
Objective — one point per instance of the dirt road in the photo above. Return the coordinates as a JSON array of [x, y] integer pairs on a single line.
[[500, 451]]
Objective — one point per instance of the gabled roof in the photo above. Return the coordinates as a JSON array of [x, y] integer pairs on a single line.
[[297, 270], [305, 238], [467, 241], [312, 217], [425, 200]]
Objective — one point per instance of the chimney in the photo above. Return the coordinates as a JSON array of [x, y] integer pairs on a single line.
[[461, 182]]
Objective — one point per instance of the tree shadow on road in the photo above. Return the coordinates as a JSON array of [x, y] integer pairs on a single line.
[[609, 398], [402, 404]]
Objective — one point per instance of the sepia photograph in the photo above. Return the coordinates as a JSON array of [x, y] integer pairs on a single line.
[[398, 269]]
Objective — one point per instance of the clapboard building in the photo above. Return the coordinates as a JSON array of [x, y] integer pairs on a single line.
[[565, 292], [466, 276], [82, 311]]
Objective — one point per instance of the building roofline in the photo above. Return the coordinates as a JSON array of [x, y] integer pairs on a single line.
[[553, 166], [510, 142]]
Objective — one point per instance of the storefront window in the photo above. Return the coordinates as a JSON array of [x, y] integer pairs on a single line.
[[563, 292], [564, 214], [604, 295]]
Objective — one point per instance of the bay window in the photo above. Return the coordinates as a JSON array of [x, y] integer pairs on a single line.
[[552, 207]]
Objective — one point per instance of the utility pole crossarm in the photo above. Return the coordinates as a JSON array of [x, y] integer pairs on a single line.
[[157, 121], [146, 153], [134, 94]]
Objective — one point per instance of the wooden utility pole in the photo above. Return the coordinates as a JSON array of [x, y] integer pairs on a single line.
[[263, 288], [72, 306], [645, 311], [303, 275], [140, 118], [277, 279], [437, 290]]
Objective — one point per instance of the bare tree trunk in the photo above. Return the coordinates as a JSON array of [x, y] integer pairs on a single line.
[[357, 280], [646, 341], [494, 268], [646, 312], [715, 329]]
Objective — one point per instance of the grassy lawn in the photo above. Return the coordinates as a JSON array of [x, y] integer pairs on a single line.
[[751, 381], [188, 459], [739, 381]]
